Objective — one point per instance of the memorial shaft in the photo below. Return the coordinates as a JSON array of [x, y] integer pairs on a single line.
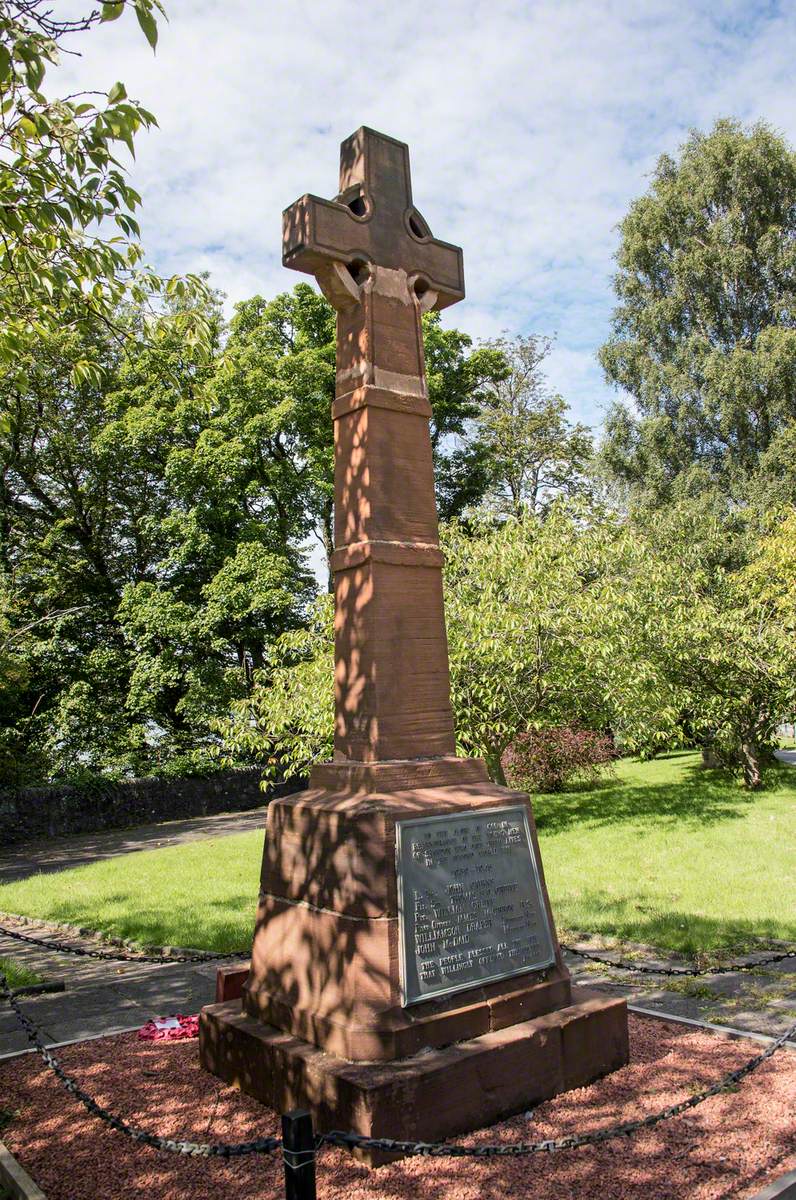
[[406, 980], [377, 263]]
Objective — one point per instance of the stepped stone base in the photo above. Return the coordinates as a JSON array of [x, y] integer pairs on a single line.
[[431, 1096]]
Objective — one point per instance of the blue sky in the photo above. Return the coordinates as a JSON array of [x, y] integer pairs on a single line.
[[532, 125]]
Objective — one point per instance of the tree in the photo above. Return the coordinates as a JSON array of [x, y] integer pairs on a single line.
[[145, 568], [704, 332], [60, 181], [704, 649], [459, 379], [772, 571], [519, 633], [535, 453], [581, 618], [274, 387]]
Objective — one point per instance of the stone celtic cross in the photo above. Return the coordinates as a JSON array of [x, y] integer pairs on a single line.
[[375, 260]]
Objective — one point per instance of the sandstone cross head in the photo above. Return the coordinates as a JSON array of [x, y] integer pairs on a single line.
[[372, 222]]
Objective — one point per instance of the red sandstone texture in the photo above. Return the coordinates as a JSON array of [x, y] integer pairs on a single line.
[[731, 1146]]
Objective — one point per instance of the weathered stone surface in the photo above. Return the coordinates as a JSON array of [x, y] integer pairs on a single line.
[[377, 262], [428, 1096], [323, 1024], [325, 960], [229, 982]]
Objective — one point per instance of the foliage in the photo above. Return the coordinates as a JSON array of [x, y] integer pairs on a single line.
[[286, 724], [534, 452], [771, 574], [519, 651], [704, 332], [460, 379], [145, 568], [152, 519], [60, 181], [705, 652], [518, 632], [577, 618], [547, 759], [274, 388]]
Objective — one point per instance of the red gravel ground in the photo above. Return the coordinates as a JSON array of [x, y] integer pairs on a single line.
[[731, 1146]]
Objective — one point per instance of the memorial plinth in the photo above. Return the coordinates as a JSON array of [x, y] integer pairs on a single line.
[[406, 980]]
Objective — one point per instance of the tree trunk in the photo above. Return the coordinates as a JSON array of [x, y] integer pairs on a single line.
[[752, 767], [327, 537], [495, 768], [710, 760]]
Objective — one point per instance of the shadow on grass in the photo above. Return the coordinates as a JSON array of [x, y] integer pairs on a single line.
[[201, 923], [677, 930], [698, 796]]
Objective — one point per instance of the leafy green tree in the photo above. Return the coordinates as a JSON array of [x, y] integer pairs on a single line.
[[581, 617], [774, 483], [459, 380], [62, 184], [772, 571], [535, 454], [140, 549], [705, 651], [704, 332], [519, 652], [518, 631], [286, 723]]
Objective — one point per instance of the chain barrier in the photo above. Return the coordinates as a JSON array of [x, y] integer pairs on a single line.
[[109, 956], [352, 1140], [642, 970], [572, 1141], [194, 1149], [213, 956]]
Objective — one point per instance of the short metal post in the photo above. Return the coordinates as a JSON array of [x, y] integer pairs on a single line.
[[298, 1152]]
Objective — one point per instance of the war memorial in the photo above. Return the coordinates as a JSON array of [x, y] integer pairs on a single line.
[[406, 977]]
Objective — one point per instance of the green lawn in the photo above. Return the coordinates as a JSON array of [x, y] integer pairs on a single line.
[[17, 976], [674, 855], [663, 853]]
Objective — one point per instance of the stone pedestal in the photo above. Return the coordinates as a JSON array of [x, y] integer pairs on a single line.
[[321, 1025], [429, 1096]]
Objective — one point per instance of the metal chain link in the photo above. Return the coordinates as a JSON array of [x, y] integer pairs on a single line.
[[573, 1141], [194, 1149], [212, 956], [642, 970], [354, 1140], [109, 956]]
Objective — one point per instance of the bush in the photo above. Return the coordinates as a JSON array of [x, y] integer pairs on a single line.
[[545, 760]]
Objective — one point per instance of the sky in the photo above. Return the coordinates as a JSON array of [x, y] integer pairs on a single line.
[[531, 126]]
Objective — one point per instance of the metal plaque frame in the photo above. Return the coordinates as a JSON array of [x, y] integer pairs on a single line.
[[526, 969]]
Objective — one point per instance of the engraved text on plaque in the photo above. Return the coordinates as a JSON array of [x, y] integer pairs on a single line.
[[470, 903]]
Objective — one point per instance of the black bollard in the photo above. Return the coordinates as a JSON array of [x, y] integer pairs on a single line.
[[298, 1152]]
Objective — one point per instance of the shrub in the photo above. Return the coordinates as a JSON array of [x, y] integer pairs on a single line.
[[544, 760]]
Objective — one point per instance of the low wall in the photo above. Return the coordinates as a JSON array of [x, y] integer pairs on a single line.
[[53, 811]]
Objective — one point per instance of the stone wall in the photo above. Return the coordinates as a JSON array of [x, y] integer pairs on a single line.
[[53, 811]]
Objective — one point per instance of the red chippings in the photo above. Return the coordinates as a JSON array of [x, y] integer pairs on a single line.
[[731, 1146]]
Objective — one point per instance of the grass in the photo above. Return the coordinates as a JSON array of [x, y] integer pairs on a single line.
[[16, 975], [672, 855], [664, 853]]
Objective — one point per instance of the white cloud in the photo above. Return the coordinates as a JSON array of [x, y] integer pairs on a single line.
[[531, 127]]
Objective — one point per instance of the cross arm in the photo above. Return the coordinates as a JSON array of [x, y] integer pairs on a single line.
[[316, 232], [440, 264]]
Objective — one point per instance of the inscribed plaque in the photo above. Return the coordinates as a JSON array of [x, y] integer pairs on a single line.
[[470, 905]]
